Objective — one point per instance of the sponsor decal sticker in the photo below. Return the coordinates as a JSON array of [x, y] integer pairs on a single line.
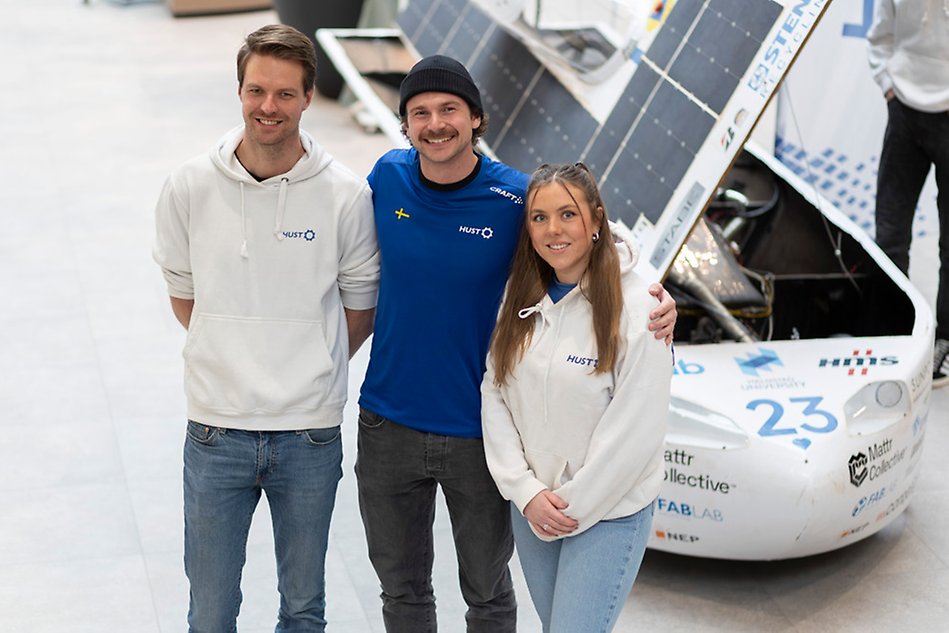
[[878, 458], [672, 507], [679, 537], [685, 368], [764, 361], [870, 500], [854, 530], [859, 362], [672, 474]]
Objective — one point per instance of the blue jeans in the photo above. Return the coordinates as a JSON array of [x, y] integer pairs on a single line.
[[398, 470], [225, 471], [580, 583], [914, 141]]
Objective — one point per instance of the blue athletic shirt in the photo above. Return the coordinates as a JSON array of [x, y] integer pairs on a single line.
[[445, 257]]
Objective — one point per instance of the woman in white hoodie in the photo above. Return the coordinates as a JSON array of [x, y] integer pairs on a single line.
[[575, 401]]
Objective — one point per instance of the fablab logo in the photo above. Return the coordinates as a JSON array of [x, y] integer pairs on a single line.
[[309, 235], [486, 232], [683, 368], [516, 199], [687, 511], [870, 500], [760, 362], [859, 362]]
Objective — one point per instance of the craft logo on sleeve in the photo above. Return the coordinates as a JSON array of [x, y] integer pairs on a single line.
[[516, 199]]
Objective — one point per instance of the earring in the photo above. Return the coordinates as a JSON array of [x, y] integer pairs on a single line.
[[596, 237]]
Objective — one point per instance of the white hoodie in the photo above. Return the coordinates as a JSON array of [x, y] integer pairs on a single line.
[[270, 266], [595, 440], [909, 52]]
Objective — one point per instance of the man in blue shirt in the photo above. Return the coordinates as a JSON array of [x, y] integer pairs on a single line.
[[448, 220]]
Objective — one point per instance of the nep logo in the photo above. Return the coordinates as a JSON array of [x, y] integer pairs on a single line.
[[758, 362], [309, 235], [487, 232]]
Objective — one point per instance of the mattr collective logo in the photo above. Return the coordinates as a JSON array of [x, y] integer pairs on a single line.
[[878, 458], [485, 232], [760, 362]]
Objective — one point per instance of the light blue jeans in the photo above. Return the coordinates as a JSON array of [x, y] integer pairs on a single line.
[[580, 583], [225, 470]]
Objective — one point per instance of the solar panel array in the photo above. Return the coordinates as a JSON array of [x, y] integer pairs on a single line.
[[643, 149]]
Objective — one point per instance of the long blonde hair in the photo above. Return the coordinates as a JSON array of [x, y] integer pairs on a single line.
[[531, 276]]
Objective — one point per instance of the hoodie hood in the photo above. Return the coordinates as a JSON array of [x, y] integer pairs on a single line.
[[224, 157], [625, 248]]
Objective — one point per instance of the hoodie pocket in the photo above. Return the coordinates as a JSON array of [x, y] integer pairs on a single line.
[[549, 468], [237, 365]]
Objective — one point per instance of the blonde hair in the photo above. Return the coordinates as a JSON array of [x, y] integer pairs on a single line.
[[531, 276]]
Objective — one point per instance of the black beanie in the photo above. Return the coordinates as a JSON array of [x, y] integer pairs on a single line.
[[438, 73]]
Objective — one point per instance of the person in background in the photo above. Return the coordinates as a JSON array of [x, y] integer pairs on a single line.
[[448, 219], [575, 401], [909, 59], [268, 249]]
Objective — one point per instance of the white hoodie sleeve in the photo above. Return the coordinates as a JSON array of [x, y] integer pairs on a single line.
[[625, 449], [503, 448], [880, 44], [358, 254], [172, 250]]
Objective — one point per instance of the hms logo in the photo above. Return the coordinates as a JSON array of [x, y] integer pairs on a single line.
[[858, 364], [487, 232], [759, 362], [507, 194], [400, 213]]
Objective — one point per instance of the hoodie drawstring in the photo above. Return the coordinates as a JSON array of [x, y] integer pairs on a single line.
[[526, 312], [281, 205], [243, 226]]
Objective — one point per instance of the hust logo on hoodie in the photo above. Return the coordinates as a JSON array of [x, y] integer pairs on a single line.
[[309, 235]]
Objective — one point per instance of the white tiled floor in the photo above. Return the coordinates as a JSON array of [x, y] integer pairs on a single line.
[[101, 102]]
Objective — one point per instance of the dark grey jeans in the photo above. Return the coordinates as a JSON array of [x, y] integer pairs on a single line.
[[914, 141], [398, 470]]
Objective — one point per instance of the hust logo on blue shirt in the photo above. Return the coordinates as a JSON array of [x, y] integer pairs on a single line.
[[485, 232]]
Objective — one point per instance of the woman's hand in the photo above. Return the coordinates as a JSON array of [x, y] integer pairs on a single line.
[[544, 512], [662, 320]]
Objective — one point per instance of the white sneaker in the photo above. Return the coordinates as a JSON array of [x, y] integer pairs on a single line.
[[941, 363]]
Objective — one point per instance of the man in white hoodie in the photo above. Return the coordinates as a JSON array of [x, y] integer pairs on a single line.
[[269, 252], [909, 58]]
